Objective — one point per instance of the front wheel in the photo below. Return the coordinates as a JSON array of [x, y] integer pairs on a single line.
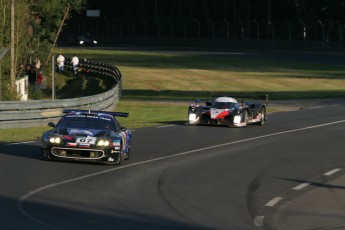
[[45, 154], [119, 159], [245, 119], [128, 152], [112, 161], [263, 117]]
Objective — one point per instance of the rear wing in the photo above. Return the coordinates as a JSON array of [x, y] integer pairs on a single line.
[[115, 114], [243, 97]]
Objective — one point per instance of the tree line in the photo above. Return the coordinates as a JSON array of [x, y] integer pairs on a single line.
[[235, 19]]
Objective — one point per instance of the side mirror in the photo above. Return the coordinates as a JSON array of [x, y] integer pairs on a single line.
[[52, 124], [208, 103]]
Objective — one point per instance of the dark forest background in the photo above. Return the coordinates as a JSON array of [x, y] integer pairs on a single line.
[[314, 20]]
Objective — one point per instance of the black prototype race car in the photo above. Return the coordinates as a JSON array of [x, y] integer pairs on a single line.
[[83, 40], [226, 110], [84, 135]]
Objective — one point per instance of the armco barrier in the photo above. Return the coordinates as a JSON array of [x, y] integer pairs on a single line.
[[35, 113]]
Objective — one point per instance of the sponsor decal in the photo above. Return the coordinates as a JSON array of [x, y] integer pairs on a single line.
[[219, 113], [69, 144], [86, 140], [84, 146], [68, 138], [116, 143]]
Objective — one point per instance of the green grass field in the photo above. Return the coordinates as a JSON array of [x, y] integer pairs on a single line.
[[149, 77], [186, 75]]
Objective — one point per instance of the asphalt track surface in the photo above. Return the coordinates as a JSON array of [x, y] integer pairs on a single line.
[[189, 177]]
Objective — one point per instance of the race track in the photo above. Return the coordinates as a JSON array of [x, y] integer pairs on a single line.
[[185, 177]]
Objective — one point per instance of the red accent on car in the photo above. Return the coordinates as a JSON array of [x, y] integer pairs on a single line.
[[69, 138], [223, 114]]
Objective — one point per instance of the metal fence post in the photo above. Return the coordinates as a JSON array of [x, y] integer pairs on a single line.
[[53, 77]]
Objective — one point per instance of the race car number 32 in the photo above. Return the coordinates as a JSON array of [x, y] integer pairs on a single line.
[[86, 140]]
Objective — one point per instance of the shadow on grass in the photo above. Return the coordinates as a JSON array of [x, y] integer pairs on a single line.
[[227, 61], [82, 85], [206, 95]]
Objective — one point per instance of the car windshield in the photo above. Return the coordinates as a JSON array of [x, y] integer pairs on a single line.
[[224, 105], [86, 122]]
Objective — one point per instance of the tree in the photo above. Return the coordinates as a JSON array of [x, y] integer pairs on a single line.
[[50, 16], [36, 25]]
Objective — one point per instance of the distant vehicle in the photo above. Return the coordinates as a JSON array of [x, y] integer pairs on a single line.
[[227, 111], [84, 135], [83, 40]]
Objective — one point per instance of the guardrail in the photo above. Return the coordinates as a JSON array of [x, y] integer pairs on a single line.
[[35, 113]]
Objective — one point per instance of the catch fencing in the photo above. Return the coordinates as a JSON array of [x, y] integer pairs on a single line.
[[36, 113]]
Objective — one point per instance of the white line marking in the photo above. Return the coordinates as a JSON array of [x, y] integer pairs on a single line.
[[22, 199], [273, 202], [301, 186], [259, 221], [331, 172], [164, 126], [18, 143]]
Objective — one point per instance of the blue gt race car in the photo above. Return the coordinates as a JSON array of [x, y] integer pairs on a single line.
[[84, 135]]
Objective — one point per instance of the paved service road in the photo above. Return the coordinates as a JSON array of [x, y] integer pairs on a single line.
[[286, 174]]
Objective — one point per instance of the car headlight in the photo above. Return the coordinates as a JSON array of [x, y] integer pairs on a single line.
[[103, 143], [192, 117], [55, 140], [237, 119]]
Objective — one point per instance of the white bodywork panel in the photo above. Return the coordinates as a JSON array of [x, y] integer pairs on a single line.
[[226, 99]]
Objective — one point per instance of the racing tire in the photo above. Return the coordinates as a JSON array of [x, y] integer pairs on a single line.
[[119, 159], [128, 153], [263, 117], [45, 155], [246, 119]]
